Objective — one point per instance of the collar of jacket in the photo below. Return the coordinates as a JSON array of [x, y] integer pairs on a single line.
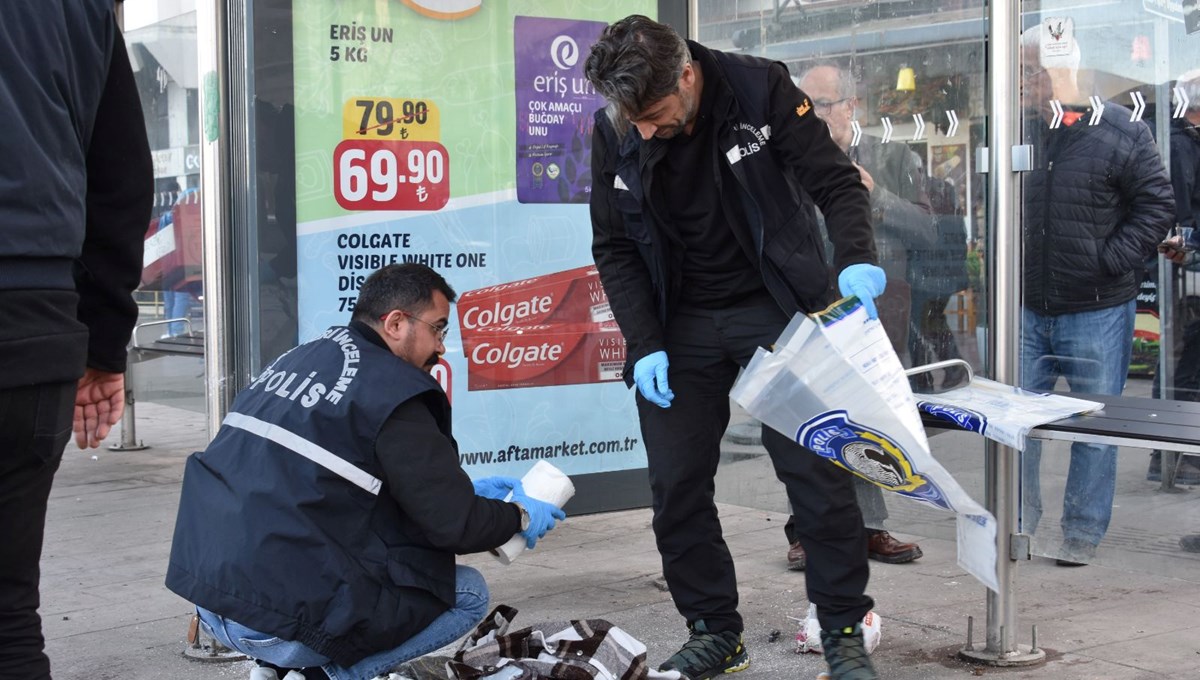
[[1186, 128]]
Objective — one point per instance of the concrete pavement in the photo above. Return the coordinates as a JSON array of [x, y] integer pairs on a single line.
[[107, 615]]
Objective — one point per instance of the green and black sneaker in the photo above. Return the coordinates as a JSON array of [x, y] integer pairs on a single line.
[[846, 655], [707, 655]]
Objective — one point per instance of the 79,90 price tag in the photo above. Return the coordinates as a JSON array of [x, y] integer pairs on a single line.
[[389, 175]]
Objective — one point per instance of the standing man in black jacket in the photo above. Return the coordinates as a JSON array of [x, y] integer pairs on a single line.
[[1097, 203], [706, 248], [318, 530], [76, 185]]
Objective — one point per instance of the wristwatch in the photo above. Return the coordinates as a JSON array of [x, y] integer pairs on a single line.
[[524, 516]]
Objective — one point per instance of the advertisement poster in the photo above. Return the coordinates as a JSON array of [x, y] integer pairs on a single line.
[[461, 140], [555, 103]]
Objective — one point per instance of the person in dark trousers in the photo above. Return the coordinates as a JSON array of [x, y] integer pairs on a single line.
[[902, 218], [1096, 205], [1182, 249], [706, 247], [318, 530], [1185, 180], [76, 187]]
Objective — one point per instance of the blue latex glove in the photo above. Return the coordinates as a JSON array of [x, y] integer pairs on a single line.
[[497, 487], [650, 376], [865, 282], [541, 517]]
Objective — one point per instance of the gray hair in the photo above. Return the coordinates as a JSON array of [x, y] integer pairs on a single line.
[[636, 62], [847, 86], [1190, 84]]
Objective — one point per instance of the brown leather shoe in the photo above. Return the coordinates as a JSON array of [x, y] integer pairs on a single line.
[[883, 547], [797, 560]]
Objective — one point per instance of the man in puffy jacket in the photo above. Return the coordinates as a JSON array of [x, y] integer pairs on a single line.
[[318, 530], [76, 186], [706, 247], [1097, 203]]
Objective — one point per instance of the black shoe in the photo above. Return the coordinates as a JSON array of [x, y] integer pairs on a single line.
[[1075, 552], [846, 655], [707, 655]]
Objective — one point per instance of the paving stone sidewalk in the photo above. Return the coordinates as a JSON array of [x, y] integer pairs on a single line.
[[108, 616]]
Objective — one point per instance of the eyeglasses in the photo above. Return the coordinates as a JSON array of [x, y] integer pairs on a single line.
[[823, 107], [440, 331]]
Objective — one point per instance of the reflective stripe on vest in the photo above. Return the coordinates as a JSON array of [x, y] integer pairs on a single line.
[[317, 454]]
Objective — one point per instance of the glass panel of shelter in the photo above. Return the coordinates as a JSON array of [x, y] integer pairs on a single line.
[[162, 51], [917, 69], [902, 87], [1105, 99]]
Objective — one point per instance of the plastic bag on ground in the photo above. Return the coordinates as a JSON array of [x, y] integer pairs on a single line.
[[808, 638]]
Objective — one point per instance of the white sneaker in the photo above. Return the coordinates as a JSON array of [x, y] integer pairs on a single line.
[[294, 675], [261, 673]]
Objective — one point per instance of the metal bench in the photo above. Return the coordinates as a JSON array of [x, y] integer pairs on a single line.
[[1167, 424], [188, 344], [1170, 425]]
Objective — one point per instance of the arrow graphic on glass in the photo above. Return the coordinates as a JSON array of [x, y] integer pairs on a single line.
[[1139, 106], [952, 116], [887, 129], [919, 120], [1056, 107], [857, 136], [1181, 102], [1097, 109]]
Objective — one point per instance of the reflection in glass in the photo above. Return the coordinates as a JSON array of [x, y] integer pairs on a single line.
[[901, 87], [1096, 94]]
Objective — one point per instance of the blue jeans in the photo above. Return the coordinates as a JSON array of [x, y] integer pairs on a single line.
[[469, 609], [176, 304], [1091, 350]]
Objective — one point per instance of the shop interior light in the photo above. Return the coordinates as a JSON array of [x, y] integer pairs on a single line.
[[906, 81]]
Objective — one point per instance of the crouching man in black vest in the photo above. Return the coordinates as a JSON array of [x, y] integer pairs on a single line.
[[317, 532]]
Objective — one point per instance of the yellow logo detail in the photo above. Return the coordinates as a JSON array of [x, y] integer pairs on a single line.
[[803, 108]]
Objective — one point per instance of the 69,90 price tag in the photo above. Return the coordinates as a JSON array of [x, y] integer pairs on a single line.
[[387, 175]]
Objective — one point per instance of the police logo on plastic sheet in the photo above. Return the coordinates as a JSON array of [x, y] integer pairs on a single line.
[[965, 418], [870, 454]]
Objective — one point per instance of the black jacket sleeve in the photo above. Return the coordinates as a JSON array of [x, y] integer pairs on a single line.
[[899, 201], [1185, 160], [120, 186], [1150, 206], [622, 270], [802, 143], [422, 473]]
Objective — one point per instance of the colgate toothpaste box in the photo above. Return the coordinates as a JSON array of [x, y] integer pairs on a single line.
[[544, 354], [571, 296]]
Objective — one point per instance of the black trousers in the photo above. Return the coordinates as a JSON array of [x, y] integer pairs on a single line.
[[683, 446], [35, 424]]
